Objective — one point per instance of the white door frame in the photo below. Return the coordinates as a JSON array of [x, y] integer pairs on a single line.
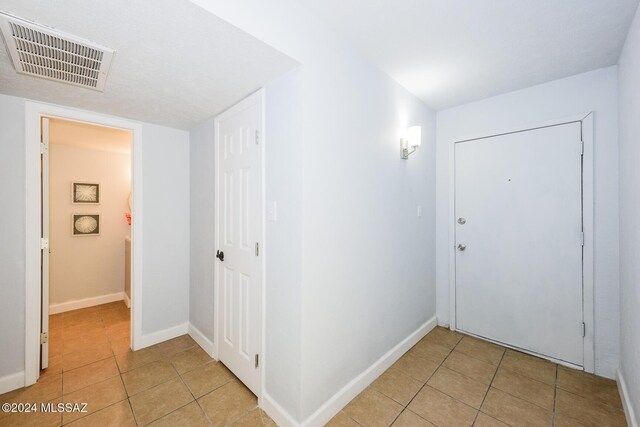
[[258, 96], [34, 111], [586, 120]]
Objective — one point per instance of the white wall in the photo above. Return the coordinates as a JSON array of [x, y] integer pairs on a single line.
[[12, 235], [166, 212], [351, 257], [629, 110], [201, 155], [593, 91], [165, 184], [87, 266]]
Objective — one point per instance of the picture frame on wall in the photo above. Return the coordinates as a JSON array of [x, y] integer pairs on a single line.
[[84, 193], [85, 225]]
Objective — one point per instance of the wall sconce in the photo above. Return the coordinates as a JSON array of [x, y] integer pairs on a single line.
[[411, 143]]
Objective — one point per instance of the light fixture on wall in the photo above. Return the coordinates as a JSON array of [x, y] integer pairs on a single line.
[[411, 143]]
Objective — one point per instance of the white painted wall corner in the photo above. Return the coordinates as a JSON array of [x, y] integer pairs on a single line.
[[87, 302], [332, 406], [629, 410], [11, 382], [202, 340]]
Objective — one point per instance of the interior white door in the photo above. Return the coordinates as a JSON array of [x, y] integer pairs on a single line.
[[239, 232], [518, 211], [44, 182]]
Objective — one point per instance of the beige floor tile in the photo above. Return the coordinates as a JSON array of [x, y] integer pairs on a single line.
[[418, 368], [589, 386], [484, 420], [228, 403], [190, 415], [89, 374], [255, 417], [525, 388], [54, 368], [83, 329], [479, 349], [35, 419], [588, 411], [206, 378], [530, 366], [342, 420], [372, 408], [121, 345], [442, 410], [176, 345], [396, 384], [514, 411], [159, 401], [96, 396], [444, 337], [117, 415], [560, 420], [459, 387], [89, 355], [190, 359], [410, 419], [471, 367], [429, 350], [80, 342], [133, 359], [119, 330], [44, 390], [147, 376]]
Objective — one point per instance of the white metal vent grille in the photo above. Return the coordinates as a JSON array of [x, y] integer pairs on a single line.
[[43, 52]]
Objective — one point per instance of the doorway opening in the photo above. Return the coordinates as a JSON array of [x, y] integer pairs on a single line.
[[76, 233], [86, 200]]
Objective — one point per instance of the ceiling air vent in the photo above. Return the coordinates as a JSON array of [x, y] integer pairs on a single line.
[[40, 51]]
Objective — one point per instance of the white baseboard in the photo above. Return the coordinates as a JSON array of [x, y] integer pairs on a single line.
[[147, 340], [203, 341], [127, 300], [277, 412], [629, 410], [86, 302], [339, 400], [11, 382]]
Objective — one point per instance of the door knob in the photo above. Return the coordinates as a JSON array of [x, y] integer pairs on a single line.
[[462, 221], [220, 255], [462, 247]]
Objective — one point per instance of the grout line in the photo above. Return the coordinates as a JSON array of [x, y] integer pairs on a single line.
[[490, 384]]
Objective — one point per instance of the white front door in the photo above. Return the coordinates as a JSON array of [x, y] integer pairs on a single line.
[[44, 277], [239, 236], [518, 232]]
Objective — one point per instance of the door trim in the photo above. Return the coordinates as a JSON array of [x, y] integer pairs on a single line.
[[33, 113], [586, 121], [257, 97]]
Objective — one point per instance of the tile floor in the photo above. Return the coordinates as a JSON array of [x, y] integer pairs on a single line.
[[174, 383], [449, 379]]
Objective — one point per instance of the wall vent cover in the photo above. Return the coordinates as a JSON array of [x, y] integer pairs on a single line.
[[40, 51]]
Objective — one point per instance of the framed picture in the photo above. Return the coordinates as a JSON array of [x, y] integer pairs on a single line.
[[84, 193], [85, 224]]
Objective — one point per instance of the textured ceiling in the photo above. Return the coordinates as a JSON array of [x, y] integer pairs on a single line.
[[174, 65], [76, 134], [449, 52]]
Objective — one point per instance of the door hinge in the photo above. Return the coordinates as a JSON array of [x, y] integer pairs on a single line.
[[257, 361], [257, 249], [44, 243], [257, 137], [584, 330], [43, 148], [581, 148], [44, 337], [582, 238]]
